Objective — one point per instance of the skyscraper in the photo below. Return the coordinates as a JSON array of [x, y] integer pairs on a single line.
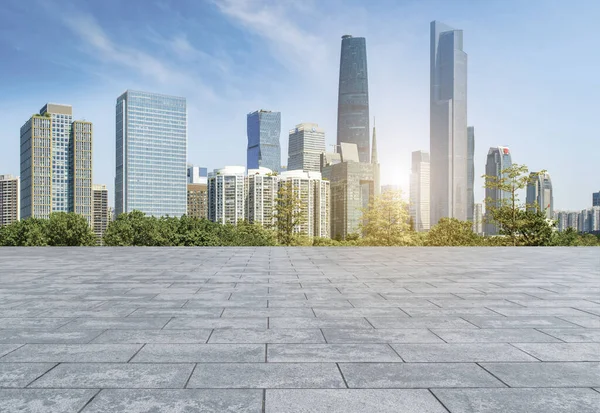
[[419, 191], [151, 154], [226, 195], [478, 219], [263, 129], [448, 124], [101, 218], [306, 144], [9, 200], [375, 163], [596, 199], [56, 164], [498, 159], [353, 97], [470, 173], [539, 194]]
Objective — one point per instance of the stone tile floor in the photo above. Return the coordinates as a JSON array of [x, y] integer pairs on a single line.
[[281, 330]]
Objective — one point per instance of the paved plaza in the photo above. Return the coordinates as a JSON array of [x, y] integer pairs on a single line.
[[282, 330]]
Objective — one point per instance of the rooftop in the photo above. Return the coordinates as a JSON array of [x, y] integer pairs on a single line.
[[281, 330]]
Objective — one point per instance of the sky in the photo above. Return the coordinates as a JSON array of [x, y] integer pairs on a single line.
[[532, 75]]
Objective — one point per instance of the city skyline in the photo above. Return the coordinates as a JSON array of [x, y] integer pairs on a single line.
[[397, 84]]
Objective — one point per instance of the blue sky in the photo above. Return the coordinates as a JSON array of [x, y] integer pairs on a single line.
[[533, 74]]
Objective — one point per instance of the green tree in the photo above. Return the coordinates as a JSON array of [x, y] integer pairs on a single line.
[[30, 232], [289, 213], [452, 232], [132, 229], [67, 229], [386, 220]]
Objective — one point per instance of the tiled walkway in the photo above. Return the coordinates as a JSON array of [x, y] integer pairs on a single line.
[[281, 330]]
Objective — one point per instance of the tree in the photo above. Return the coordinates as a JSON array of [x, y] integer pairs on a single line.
[[30, 232], [289, 213], [523, 224], [67, 229], [386, 220], [452, 232]]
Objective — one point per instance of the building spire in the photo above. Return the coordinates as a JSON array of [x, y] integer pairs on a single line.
[[374, 159]]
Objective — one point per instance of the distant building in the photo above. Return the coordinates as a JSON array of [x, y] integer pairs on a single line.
[[9, 200], [596, 199], [419, 191], [226, 195], [264, 129], [470, 173], [56, 164], [375, 163], [197, 200], [353, 96], [101, 216], [498, 159], [589, 220], [388, 188], [151, 153], [197, 175], [539, 194], [306, 144], [478, 219], [111, 214], [261, 187]]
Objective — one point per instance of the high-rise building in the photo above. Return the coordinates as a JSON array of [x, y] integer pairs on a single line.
[[100, 216], [352, 187], [419, 191], [478, 219], [498, 159], [261, 187], [596, 199], [151, 152], [470, 173], [197, 200], [375, 163], [9, 200], [539, 194], [56, 164], [197, 175], [264, 129], [226, 195], [448, 124], [306, 144], [353, 97]]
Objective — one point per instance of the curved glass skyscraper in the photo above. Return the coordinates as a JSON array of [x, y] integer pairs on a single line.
[[263, 129], [498, 159], [353, 98]]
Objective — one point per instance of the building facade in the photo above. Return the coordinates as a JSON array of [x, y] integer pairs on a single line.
[[375, 163], [264, 130], [353, 96], [539, 194], [261, 187], [478, 219], [470, 173], [9, 200], [151, 152], [56, 164], [306, 144], [448, 124], [596, 199], [419, 191], [197, 175], [101, 216], [226, 195], [498, 159], [197, 200]]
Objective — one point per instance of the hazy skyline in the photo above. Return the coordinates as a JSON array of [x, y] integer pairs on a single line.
[[529, 85]]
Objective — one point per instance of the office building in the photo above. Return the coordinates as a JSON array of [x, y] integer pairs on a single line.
[[197, 175], [448, 124], [596, 199], [375, 163], [353, 97], [197, 200], [478, 219], [56, 164], [352, 187], [470, 173], [226, 194], [264, 129], [9, 200], [306, 144], [151, 152], [419, 191], [498, 159], [261, 187], [539, 194], [101, 216]]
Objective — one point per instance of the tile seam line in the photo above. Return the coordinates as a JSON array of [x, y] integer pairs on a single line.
[[89, 401], [493, 375], [42, 375], [439, 401]]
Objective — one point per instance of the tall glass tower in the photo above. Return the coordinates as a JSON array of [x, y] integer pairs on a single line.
[[353, 98], [448, 124], [470, 173], [539, 194], [151, 170], [498, 159], [264, 128]]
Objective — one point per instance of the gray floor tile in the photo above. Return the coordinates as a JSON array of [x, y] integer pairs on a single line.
[[75, 353], [575, 335], [519, 400], [133, 323], [440, 353], [358, 312], [309, 353], [348, 336], [200, 353], [47, 337], [21, 374], [494, 335], [205, 323], [44, 400], [420, 322], [546, 374], [116, 375], [277, 335], [583, 321], [520, 322], [562, 351], [351, 401], [267, 312], [416, 375], [153, 336], [297, 322], [33, 323], [266, 375]]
